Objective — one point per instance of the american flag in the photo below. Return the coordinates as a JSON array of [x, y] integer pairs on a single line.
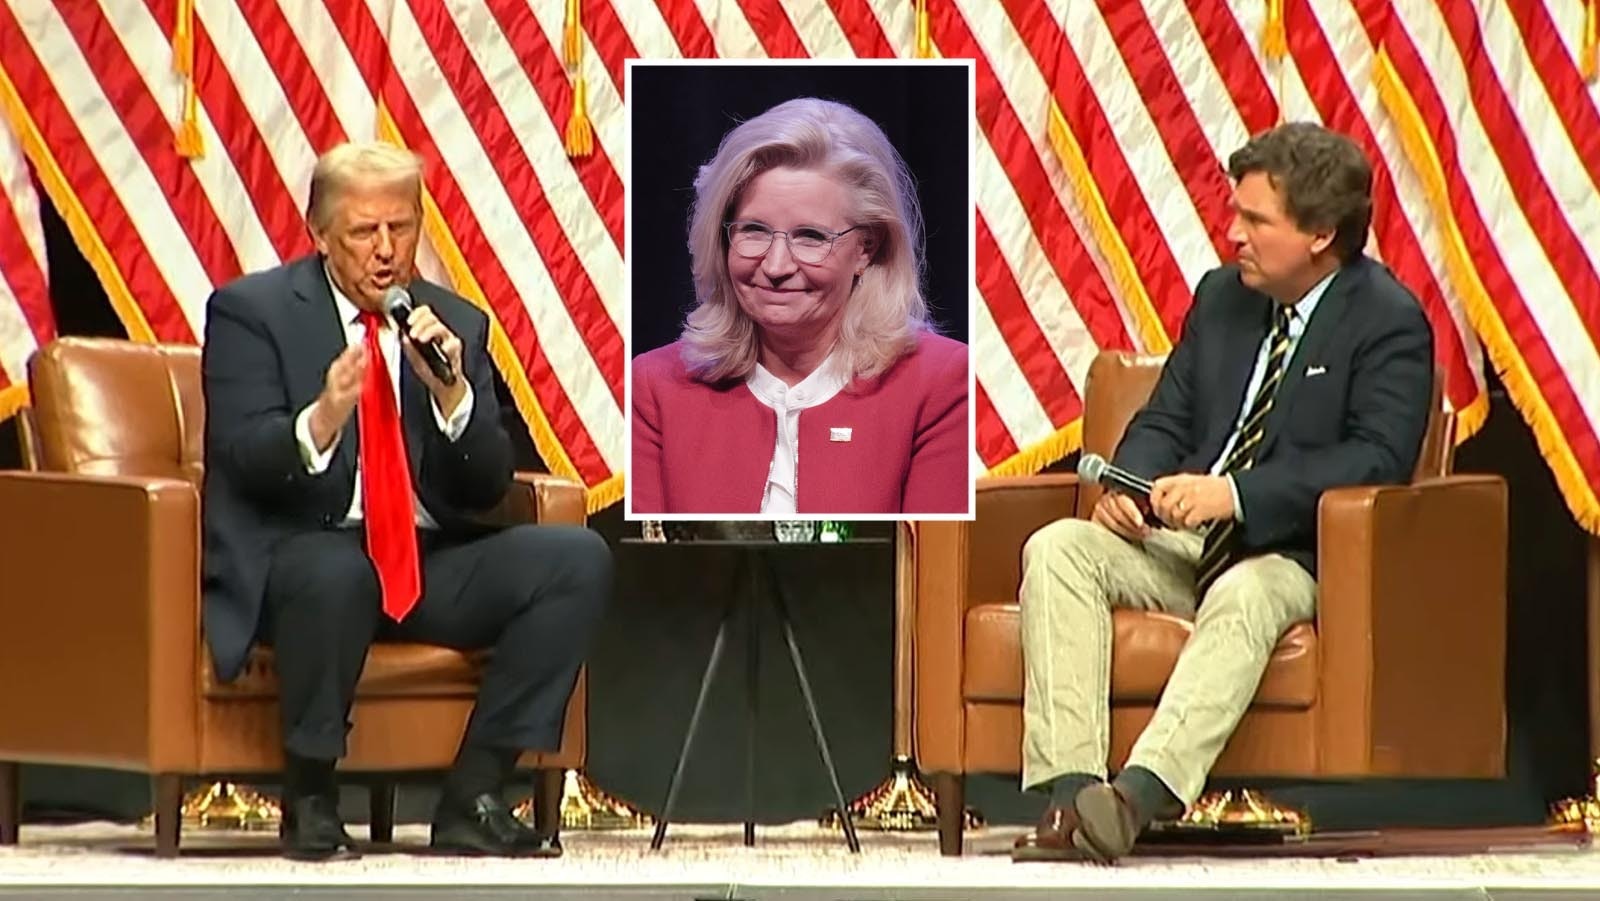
[[1498, 112], [1101, 196], [26, 320]]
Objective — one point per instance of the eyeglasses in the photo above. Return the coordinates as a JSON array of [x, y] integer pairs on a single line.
[[807, 244]]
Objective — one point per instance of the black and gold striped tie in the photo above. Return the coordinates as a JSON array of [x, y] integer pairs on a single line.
[[1220, 550]]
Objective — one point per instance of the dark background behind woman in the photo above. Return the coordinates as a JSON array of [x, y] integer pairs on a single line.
[[680, 112]]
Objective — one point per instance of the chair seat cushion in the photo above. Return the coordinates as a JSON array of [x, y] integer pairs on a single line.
[[1144, 650], [394, 669]]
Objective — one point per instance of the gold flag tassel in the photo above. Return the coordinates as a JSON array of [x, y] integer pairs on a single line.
[[1589, 51], [579, 139], [186, 138], [924, 48], [1274, 41], [580, 134], [572, 35]]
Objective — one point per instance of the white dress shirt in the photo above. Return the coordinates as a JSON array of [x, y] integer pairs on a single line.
[[786, 403], [389, 342], [1299, 318]]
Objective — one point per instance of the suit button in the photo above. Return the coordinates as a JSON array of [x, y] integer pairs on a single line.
[[327, 519]]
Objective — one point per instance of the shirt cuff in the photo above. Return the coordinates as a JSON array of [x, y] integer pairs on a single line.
[[1238, 508], [316, 462], [457, 423]]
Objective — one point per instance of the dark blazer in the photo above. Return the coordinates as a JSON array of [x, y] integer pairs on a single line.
[[1352, 408], [270, 338]]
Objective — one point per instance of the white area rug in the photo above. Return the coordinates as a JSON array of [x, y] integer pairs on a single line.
[[797, 855]]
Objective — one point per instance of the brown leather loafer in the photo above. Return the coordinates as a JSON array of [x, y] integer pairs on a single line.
[[1051, 839], [1107, 823]]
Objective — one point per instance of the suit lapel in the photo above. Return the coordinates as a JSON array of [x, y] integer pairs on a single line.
[[324, 337], [1240, 349], [321, 340], [1322, 327]]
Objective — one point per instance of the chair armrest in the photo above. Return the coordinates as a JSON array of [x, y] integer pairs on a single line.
[[1006, 511], [959, 564], [1412, 626], [101, 607], [538, 497]]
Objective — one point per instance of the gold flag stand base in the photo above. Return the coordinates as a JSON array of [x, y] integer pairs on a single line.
[[1575, 812], [227, 805], [1245, 814], [585, 805], [900, 803]]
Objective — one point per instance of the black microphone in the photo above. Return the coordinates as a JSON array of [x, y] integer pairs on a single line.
[[397, 303], [1094, 469]]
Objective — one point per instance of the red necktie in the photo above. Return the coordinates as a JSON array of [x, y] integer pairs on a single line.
[[386, 484]]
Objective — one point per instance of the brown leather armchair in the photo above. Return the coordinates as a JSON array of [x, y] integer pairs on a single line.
[[101, 654], [1402, 673]]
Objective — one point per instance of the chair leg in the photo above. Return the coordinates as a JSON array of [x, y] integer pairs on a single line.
[[10, 802], [548, 784], [168, 791], [380, 796], [950, 790]]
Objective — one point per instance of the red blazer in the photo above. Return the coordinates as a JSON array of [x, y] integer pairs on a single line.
[[700, 448]]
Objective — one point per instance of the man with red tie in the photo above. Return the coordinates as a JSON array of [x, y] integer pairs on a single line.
[[342, 475]]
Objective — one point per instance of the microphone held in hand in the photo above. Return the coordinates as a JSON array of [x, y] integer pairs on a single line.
[[1094, 469], [397, 303]]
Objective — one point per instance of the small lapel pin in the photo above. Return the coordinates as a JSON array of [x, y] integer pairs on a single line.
[[1315, 370], [839, 434]]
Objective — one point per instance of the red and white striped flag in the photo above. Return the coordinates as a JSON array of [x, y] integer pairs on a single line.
[[252, 90], [1504, 132], [1100, 191], [1145, 103], [26, 320]]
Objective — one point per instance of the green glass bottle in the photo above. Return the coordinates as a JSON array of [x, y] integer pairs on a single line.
[[834, 531]]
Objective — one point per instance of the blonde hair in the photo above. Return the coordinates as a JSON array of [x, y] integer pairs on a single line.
[[885, 312], [374, 163]]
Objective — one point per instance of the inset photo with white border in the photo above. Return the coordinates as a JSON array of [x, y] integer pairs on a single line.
[[800, 263]]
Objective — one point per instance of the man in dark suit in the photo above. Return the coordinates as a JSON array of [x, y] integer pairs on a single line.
[[1303, 366], [342, 474]]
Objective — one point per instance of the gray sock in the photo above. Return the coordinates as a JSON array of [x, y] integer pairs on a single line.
[[1152, 799], [1064, 788]]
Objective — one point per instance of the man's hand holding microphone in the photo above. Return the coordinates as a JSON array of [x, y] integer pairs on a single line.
[[431, 349], [1182, 501]]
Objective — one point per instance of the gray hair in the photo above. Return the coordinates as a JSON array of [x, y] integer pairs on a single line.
[[886, 311], [369, 163]]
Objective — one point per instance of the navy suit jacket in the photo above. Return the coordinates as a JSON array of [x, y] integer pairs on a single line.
[[1351, 410], [270, 338]]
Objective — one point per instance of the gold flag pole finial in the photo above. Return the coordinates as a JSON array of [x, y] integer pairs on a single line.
[[1589, 50], [579, 138], [924, 45], [186, 139], [1274, 42]]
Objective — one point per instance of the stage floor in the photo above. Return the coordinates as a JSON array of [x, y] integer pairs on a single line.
[[794, 862]]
